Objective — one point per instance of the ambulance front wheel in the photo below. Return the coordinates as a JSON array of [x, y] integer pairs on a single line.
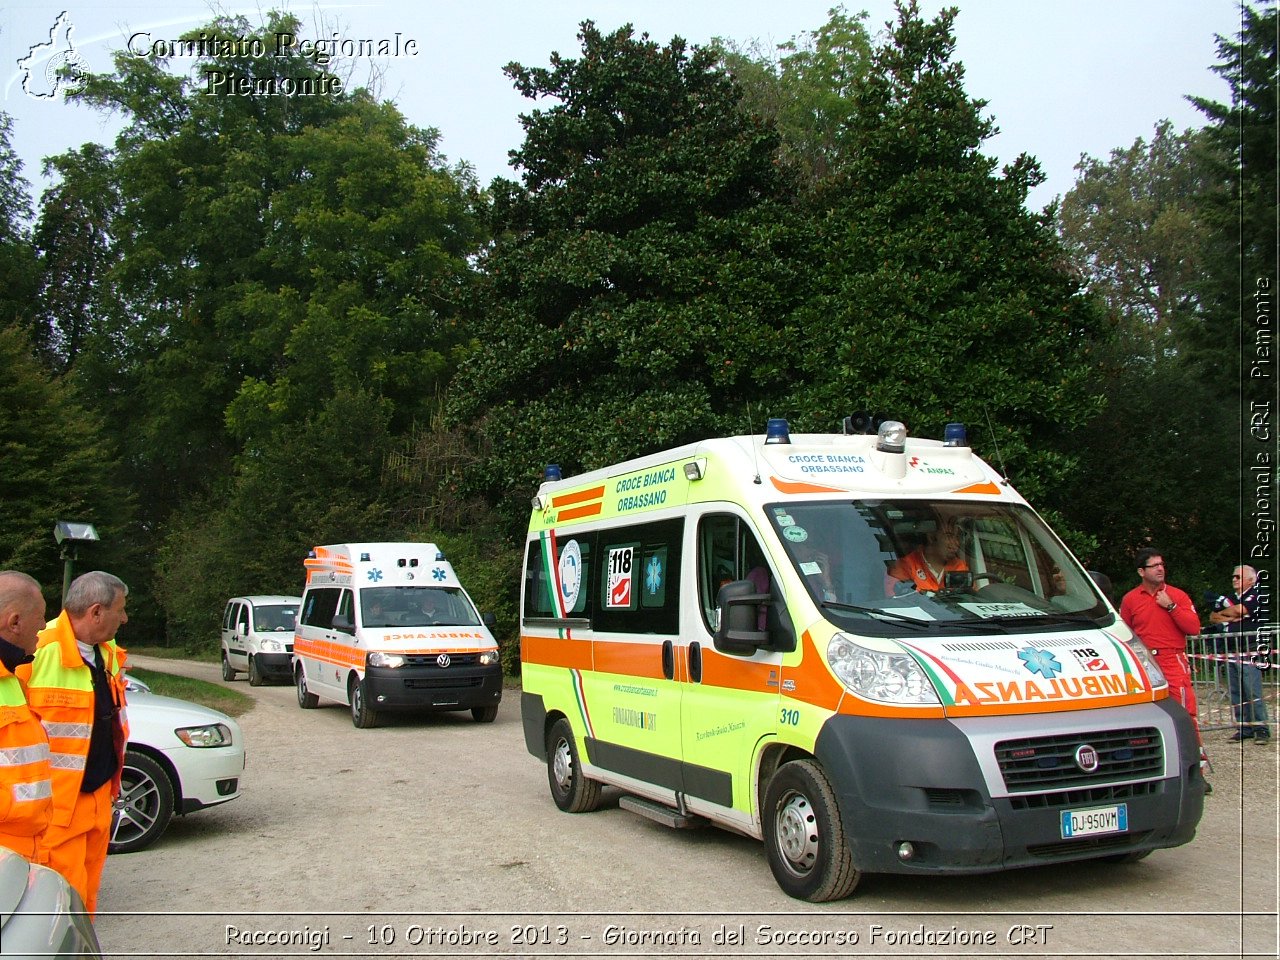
[[804, 837], [572, 792], [362, 714], [306, 699]]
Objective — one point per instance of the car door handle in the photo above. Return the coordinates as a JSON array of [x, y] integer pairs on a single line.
[[668, 659], [695, 662]]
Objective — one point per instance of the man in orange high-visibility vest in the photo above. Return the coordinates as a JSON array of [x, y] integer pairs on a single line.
[[76, 687], [26, 784]]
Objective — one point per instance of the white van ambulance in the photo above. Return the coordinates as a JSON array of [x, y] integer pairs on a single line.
[[387, 626], [866, 650]]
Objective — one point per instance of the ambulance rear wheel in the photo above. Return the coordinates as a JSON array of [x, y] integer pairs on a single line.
[[228, 671], [572, 792], [306, 699], [804, 837], [362, 715]]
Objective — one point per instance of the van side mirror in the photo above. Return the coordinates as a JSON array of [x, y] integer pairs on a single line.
[[1102, 582], [342, 623], [242, 629], [738, 631], [489, 620]]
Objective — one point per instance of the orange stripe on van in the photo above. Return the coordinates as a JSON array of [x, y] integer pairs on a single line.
[[811, 680], [629, 659], [1041, 706], [590, 510], [799, 486], [555, 652], [569, 499], [987, 488]]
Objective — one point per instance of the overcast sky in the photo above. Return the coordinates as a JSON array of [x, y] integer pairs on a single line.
[[1061, 77]]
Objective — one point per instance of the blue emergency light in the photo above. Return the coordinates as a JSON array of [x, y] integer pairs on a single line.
[[777, 430], [954, 435], [552, 472]]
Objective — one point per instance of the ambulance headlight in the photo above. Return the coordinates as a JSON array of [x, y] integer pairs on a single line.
[[488, 658], [271, 646], [1144, 657], [378, 659], [876, 675]]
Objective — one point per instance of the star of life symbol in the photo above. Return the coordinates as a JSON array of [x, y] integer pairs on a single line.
[[653, 575], [438, 573], [375, 574], [1040, 661], [49, 68]]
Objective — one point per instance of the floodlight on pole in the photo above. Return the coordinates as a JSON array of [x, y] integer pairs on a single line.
[[69, 535]]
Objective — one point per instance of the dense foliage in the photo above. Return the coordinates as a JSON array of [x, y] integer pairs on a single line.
[[258, 323]]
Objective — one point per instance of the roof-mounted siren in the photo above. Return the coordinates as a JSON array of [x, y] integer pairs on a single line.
[[955, 435], [549, 473], [891, 444], [862, 422], [777, 430]]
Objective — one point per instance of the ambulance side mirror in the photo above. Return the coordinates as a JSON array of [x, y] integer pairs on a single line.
[[739, 632], [342, 623], [489, 620]]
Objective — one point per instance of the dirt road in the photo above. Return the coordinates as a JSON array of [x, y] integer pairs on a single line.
[[436, 836]]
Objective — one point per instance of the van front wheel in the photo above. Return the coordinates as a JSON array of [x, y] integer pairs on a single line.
[[804, 837], [572, 792], [306, 699], [362, 715]]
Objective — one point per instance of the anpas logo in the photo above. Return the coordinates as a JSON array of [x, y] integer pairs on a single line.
[[49, 68]]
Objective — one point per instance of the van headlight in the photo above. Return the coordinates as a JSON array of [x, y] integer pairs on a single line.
[[271, 646], [209, 735], [1144, 657], [875, 675], [489, 657], [378, 659]]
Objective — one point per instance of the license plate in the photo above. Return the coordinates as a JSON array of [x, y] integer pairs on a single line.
[[1098, 820]]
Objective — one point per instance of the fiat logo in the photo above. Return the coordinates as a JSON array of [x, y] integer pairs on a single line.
[[443, 661], [1086, 758]]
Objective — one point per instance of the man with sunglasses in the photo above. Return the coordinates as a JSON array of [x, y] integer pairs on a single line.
[[1244, 679], [1163, 617]]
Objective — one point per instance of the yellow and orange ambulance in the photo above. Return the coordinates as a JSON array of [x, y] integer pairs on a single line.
[[388, 627], [865, 649]]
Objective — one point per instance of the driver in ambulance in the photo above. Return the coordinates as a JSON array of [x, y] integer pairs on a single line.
[[926, 567]]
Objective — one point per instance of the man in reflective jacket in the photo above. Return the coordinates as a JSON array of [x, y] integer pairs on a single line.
[[26, 784], [76, 687]]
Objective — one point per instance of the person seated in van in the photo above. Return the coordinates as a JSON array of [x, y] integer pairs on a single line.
[[373, 612], [817, 569], [926, 567]]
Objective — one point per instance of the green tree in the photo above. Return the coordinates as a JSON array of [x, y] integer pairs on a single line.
[[935, 294], [56, 465], [804, 90], [17, 257], [633, 294]]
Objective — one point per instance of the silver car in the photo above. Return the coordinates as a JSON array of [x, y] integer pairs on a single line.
[[40, 915]]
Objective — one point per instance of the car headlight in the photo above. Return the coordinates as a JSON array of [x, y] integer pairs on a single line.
[[875, 675], [210, 735], [489, 657], [271, 646], [1144, 657], [378, 659]]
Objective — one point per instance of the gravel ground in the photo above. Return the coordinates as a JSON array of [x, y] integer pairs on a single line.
[[436, 836]]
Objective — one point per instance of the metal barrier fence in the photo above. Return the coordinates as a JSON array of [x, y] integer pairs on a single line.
[[1209, 661]]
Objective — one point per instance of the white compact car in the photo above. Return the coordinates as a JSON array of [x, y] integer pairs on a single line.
[[181, 757]]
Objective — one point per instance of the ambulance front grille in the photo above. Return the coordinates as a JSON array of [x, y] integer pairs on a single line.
[[1047, 763], [443, 683], [430, 660]]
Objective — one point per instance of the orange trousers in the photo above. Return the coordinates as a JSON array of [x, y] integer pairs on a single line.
[[78, 851]]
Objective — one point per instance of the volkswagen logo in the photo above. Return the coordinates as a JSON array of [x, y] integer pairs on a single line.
[[443, 661], [1086, 758]]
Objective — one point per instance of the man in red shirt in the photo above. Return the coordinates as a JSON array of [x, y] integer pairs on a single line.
[[1163, 617]]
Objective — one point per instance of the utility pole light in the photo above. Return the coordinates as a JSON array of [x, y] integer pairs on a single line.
[[69, 536]]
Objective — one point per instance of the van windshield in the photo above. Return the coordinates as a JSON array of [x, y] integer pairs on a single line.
[[274, 617], [416, 607], [903, 566]]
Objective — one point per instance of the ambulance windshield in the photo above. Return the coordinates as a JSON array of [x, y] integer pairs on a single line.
[[898, 566], [415, 607]]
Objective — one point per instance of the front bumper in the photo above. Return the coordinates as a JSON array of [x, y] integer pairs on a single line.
[[275, 666], [206, 775], [428, 686], [936, 785]]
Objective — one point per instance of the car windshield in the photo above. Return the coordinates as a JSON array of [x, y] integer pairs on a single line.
[[275, 617], [894, 567], [416, 607]]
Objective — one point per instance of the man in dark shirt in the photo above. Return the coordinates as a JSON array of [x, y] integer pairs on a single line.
[[1244, 679]]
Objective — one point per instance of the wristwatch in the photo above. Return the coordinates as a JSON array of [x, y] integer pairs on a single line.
[[1170, 608]]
